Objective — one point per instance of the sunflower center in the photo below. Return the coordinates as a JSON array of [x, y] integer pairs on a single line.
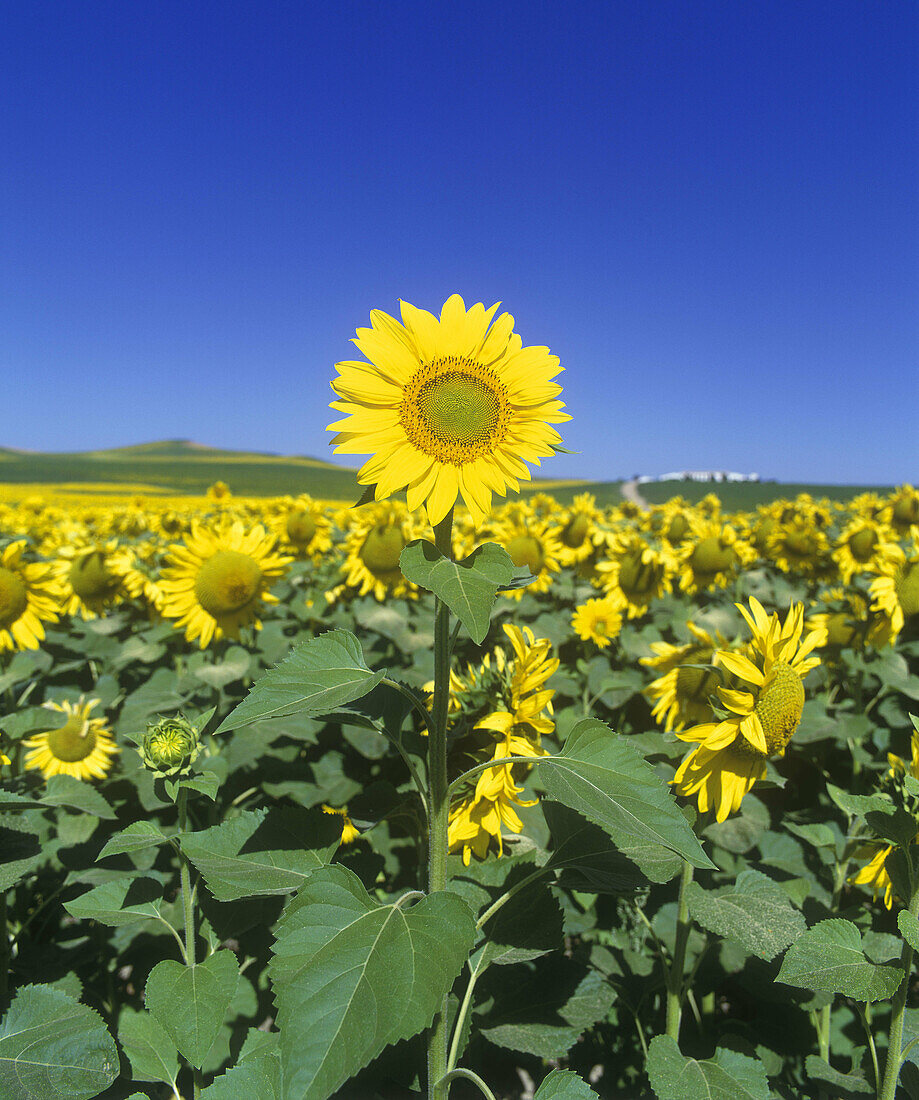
[[711, 556], [638, 578], [575, 531], [381, 550], [74, 741], [525, 550], [862, 544], [14, 597], [455, 410], [226, 582], [677, 528], [89, 577], [906, 586], [301, 528], [799, 544], [780, 706], [906, 512]]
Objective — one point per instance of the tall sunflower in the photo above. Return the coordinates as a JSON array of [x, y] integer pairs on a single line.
[[681, 694], [216, 582], [447, 408], [730, 754], [82, 747], [29, 596]]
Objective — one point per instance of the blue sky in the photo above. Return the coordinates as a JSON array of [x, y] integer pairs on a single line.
[[708, 210]]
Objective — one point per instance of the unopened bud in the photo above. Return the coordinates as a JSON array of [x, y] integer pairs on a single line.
[[170, 746]]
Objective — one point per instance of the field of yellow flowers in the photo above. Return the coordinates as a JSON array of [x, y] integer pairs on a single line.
[[761, 665]]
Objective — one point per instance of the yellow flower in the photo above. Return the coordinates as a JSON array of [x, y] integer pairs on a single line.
[[597, 621], [348, 832], [371, 554], [82, 747], [29, 596], [730, 755], [447, 408], [682, 694], [636, 574], [896, 591], [216, 582], [874, 873]]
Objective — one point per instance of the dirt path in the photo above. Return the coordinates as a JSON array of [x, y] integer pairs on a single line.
[[629, 490]]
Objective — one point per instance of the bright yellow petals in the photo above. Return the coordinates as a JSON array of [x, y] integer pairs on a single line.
[[597, 621], [29, 597], [217, 581], [80, 746], [447, 407]]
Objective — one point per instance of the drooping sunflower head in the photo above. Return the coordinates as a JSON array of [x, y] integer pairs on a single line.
[[447, 407], [79, 746], [688, 680]]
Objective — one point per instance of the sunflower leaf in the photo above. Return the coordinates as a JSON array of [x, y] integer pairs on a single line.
[[363, 975], [564, 1084], [120, 901], [604, 778], [67, 790], [150, 1051], [318, 677], [467, 587], [829, 958], [730, 1075], [54, 1048], [754, 912]]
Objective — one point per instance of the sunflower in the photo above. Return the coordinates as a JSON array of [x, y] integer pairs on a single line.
[[92, 576], [711, 556], [848, 623], [29, 595], [216, 581], [635, 574], [530, 542], [371, 554], [303, 528], [861, 548], [597, 621], [800, 546], [730, 754], [348, 831], [682, 693], [517, 685], [902, 509], [447, 407], [896, 591], [81, 747], [578, 530]]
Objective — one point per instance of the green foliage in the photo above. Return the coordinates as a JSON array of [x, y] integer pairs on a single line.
[[152, 1054], [730, 1075], [830, 958], [318, 677], [364, 974], [190, 1002], [601, 776], [53, 1048], [467, 587], [563, 1085], [755, 912]]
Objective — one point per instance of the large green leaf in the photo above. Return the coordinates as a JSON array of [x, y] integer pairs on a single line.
[[149, 1049], [728, 1076], [352, 976], [120, 901], [20, 848], [586, 856], [135, 838], [829, 958], [66, 790], [254, 1079], [564, 1084], [263, 852], [754, 912], [601, 776], [843, 1086], [467, 587], [191, 1001], [318, 676], [54, 1048]]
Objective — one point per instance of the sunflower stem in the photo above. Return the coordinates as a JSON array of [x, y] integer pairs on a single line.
[[188, 905], [895, 1046], [439, 799], [5, 949], [675, 990]]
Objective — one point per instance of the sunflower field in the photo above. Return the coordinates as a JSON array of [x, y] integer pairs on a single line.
[[307, 800]]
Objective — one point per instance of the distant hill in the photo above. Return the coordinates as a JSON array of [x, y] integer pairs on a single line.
[[180, 466]]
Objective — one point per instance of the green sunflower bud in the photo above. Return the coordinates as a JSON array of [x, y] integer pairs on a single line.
[[170, 746]]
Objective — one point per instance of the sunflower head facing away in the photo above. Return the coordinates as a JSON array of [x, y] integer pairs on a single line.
[[79, 746], [730, 754], [447, 407]]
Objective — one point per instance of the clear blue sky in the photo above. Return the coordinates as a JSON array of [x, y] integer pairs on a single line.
[[708, 210]]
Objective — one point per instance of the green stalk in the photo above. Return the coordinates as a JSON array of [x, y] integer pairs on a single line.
[[439, 799], [675, 991], [4, 951], [188, 904], [895, 1045]]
